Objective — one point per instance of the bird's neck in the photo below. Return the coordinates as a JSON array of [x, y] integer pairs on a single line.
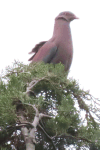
[[61, 28]]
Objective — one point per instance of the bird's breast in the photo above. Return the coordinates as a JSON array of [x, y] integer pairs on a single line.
[[64, 53]]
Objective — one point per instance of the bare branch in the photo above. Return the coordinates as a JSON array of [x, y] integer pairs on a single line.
[[50, 138], [77, 138], [43, 115], [32, 84]]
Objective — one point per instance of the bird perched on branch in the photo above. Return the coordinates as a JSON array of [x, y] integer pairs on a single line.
[[59, 48]]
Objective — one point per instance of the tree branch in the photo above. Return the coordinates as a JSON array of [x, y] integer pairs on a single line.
[[50, 138]]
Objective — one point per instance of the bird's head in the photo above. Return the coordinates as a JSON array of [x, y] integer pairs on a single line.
[[66, 15]]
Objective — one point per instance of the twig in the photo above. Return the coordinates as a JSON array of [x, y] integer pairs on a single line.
[[32, 84], [47, 135]]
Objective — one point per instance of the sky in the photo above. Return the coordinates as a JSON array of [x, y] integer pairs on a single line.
[[24, 23]]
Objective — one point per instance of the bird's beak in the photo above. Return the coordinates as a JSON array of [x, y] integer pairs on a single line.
[[76, 18]]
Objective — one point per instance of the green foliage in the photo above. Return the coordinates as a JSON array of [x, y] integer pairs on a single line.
[[52, 94]]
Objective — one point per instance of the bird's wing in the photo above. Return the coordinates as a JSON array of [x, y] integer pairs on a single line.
[[50, 55], [46, 53], [36, 49]]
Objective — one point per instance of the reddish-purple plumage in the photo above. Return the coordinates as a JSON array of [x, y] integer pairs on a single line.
[[59, 48]]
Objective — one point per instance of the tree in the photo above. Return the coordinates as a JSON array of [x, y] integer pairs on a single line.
[[41, 109]]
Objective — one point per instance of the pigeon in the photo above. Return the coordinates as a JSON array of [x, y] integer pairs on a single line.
[[59, 48]]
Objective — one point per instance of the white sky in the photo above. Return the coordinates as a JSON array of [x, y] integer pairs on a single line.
[[24, 23]]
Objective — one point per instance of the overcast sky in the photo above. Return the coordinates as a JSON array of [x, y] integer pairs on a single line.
[[24, 23]]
